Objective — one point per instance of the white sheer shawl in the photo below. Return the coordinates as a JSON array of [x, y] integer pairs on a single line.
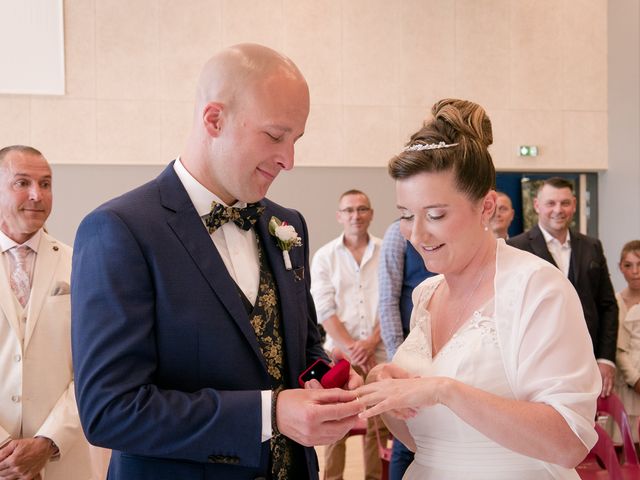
[[546, 348]]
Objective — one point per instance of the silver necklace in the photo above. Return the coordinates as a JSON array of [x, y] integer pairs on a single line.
[[457, 323]]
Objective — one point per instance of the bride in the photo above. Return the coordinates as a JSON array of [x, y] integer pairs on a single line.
[[497, 379]]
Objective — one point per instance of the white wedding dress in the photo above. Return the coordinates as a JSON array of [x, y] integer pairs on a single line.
[[447, 447]]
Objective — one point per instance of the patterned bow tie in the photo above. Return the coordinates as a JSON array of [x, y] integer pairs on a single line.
[[245, 218]]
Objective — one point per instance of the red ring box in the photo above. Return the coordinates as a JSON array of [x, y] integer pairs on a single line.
[[328, 376]]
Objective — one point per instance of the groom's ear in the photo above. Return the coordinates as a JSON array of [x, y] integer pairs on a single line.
[[212, 118]]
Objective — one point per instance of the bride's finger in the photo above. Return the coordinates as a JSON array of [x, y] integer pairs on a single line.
[[403, 413], [372, 398], [372, 412], [381, 406], [377, 387]]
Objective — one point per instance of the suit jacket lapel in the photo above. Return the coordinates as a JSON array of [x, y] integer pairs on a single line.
[[188, 227], [46, 263], [286, 285], [7, 302], [539, 245], [576, 252]]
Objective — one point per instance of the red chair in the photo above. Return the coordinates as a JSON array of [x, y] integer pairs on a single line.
[[603, 450], [612, 406], [384, 452]]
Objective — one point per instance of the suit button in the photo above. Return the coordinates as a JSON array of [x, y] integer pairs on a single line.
[[15, 398], [17, 357]]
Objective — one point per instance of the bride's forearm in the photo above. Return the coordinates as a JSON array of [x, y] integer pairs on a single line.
[[531, 428]]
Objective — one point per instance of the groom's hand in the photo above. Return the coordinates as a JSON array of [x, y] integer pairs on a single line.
[[316, 416]]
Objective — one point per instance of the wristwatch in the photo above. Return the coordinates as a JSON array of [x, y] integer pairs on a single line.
[[55, 451]]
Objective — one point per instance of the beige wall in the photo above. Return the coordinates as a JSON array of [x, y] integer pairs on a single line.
[[619, 215], [373, 66]]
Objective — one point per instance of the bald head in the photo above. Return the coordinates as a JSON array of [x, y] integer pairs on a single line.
[[25, 192], [230, 73], [252, 105]]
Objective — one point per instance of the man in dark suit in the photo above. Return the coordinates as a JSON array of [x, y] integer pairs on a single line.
[[582, 260], [189, 327]]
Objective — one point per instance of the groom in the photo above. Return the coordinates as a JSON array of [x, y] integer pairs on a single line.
[[189, 332]]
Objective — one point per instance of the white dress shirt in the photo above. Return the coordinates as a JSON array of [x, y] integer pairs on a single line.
[[238, 248], [7, 244], [341, 287], [239, 251], [561, 252]]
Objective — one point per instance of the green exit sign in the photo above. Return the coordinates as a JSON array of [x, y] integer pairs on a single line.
[[528, 151]]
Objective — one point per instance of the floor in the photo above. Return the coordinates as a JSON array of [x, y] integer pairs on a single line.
[[353, 469]]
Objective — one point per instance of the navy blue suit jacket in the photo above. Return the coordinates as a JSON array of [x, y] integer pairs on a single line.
[[589, 275], [168, 371]]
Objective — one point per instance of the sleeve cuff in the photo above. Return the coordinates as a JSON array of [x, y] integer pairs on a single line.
[[55, 455], [606, 362], [324, 315], [267, 432]]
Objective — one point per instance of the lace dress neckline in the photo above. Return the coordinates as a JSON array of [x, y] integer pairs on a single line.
[[474, 319]]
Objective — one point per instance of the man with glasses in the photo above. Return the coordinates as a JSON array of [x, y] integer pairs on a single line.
[[344, 285]]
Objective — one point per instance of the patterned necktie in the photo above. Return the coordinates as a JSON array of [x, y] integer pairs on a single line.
[[245, 218], [19, 280]]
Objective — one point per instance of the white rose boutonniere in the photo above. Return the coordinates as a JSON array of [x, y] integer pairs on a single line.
[[286, 236]]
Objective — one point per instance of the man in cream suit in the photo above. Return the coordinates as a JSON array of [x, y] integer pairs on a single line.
[[40, 433]]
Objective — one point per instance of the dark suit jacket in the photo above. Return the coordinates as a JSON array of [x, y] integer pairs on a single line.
[[590, 277], [168, 371]]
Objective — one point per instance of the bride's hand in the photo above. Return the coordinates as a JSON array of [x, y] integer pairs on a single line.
[[384, 371], [400, 397]]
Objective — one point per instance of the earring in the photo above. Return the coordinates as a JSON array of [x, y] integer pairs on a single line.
[[486, 228]]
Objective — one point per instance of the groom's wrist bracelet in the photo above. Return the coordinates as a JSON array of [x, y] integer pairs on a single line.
[[274, 400]]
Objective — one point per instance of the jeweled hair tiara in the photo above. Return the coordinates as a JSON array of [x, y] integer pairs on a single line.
[[428, 146]]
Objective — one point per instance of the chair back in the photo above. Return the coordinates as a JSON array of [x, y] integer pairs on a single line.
[[384, 451], [612, 405], [604, 451]]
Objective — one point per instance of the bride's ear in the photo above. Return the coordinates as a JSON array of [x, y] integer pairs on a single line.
[[489, 206]]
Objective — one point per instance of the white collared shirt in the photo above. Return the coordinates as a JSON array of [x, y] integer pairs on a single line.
[[341, 287], [239, 251], [561, 252], [7, 244], [238, 248]]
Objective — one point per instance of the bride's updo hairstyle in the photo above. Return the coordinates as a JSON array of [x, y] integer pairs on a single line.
[[456, 138]]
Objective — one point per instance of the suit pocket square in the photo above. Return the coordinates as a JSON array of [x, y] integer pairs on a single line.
[[60, 288], [298, 274]]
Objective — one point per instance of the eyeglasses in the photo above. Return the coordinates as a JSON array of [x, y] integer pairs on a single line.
[[359, 210]]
